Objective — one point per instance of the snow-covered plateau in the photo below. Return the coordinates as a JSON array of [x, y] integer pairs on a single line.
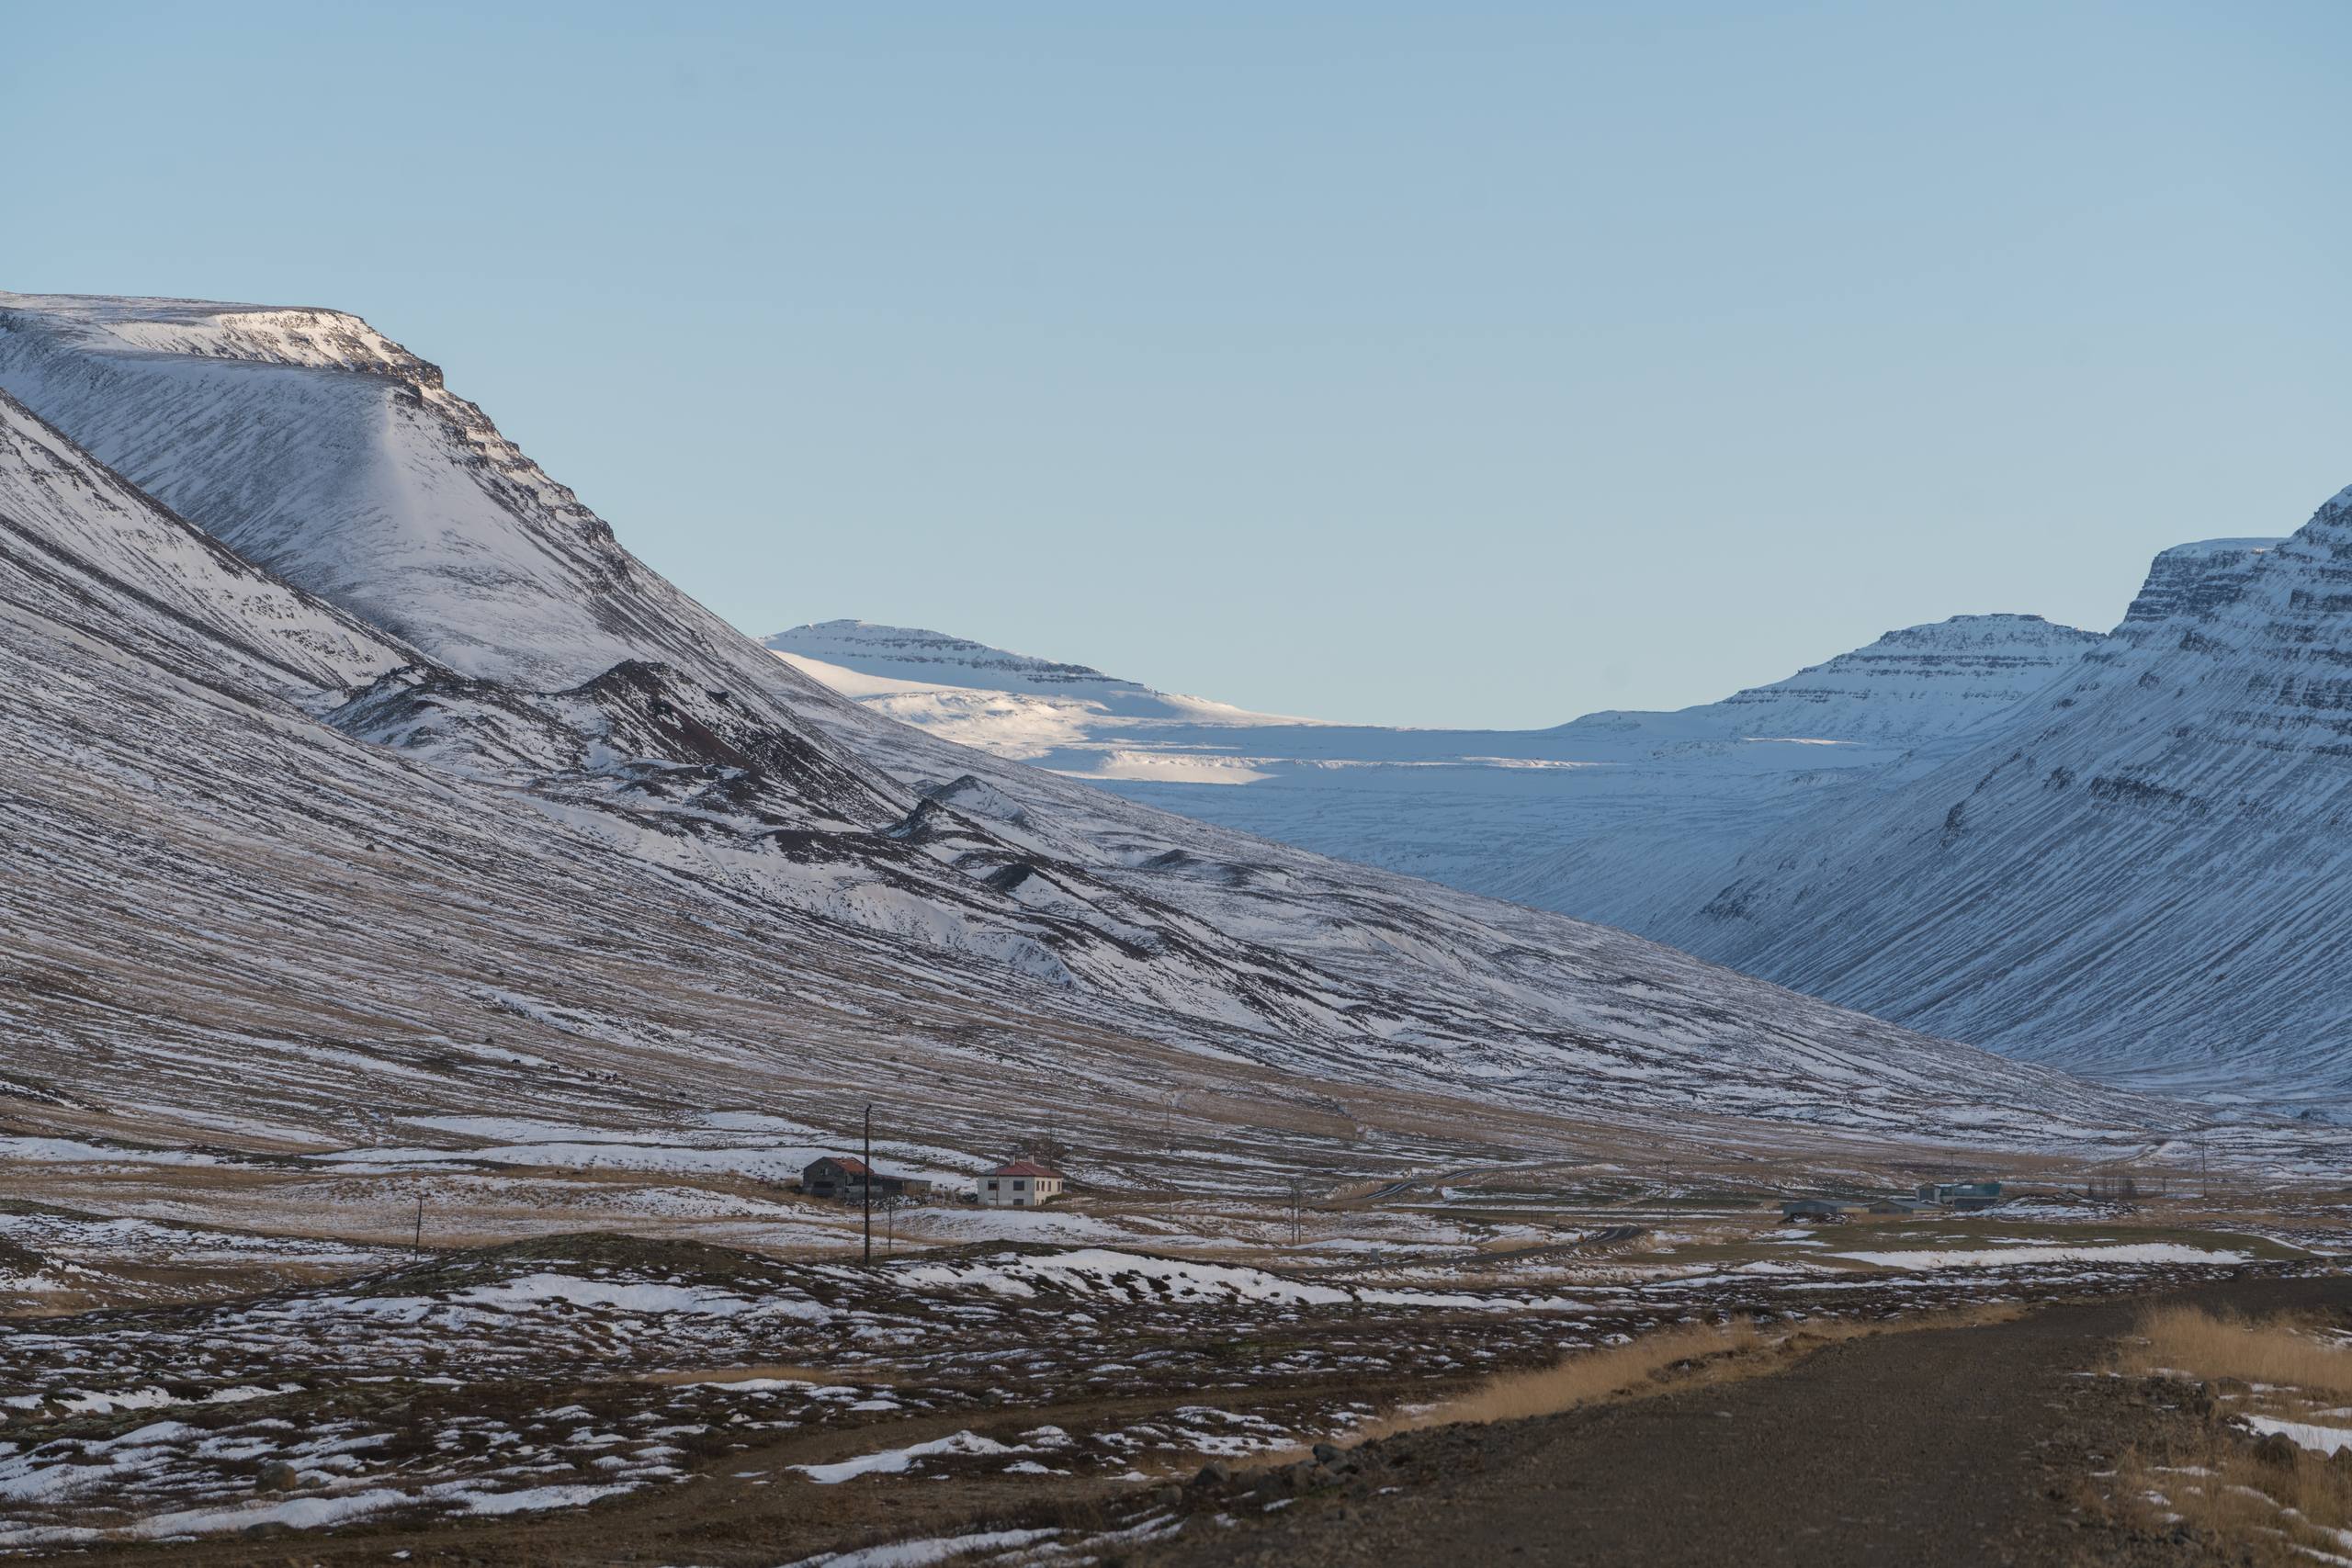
[[357, 773]]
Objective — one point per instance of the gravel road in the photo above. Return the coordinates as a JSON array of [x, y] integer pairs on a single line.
[[1934, 1447]]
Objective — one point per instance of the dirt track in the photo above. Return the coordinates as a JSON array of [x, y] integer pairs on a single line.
[[1960, 1447]]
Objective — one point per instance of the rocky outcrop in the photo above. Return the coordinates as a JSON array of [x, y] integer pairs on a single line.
[[2194, 580]]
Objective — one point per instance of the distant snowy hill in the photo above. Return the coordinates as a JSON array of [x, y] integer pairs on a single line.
[[931, 660], [1009, 704], [354, 763]]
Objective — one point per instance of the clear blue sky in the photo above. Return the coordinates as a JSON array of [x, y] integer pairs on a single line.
[[1447, 364]]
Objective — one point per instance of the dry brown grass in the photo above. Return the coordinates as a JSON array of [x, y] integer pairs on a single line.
[[1693, 1352], [2274, 1503], [2190, 1340], [1647, 1364], [1668, 1358], [2259, 1511]]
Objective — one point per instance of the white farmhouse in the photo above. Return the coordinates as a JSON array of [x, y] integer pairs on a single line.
[[1020, 1185]]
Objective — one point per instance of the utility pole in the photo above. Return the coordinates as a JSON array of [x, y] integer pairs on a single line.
[[868, 1185], [416, 1246], [1296, 1188]]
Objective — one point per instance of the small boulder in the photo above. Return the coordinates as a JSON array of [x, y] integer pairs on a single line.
[[2278, 1451], [1213, 1475], [278, 1476]]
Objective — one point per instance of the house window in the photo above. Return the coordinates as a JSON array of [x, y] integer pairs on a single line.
[[991, 1186], [1020, 1203], [1019, 1185]]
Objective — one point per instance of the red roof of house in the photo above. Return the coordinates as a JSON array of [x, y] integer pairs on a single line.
[[1023, 1168], [849, 1162]]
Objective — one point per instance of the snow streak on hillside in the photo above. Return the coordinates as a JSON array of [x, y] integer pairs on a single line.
[[453, 769]]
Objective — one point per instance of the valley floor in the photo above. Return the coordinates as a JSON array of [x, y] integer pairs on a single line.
[[212, 1396]]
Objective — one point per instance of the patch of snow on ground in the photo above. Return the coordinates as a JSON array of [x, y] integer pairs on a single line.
[[299, 1513], [530, 1499], [890, 1462], [2320, 1439], [923, 1553]]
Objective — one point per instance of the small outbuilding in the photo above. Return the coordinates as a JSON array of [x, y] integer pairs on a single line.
[[1020, 1185], [1967, 1197], [1811, 1209], [846, 1176]]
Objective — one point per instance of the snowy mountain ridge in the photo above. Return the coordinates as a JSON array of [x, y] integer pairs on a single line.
[[1914, 684], [913, 656]]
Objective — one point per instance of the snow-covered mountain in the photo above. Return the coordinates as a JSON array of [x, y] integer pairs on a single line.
[[2145, 873], [430, 792], [1595, 817]]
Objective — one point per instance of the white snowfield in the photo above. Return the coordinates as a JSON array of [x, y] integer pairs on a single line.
[[432, 792]]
